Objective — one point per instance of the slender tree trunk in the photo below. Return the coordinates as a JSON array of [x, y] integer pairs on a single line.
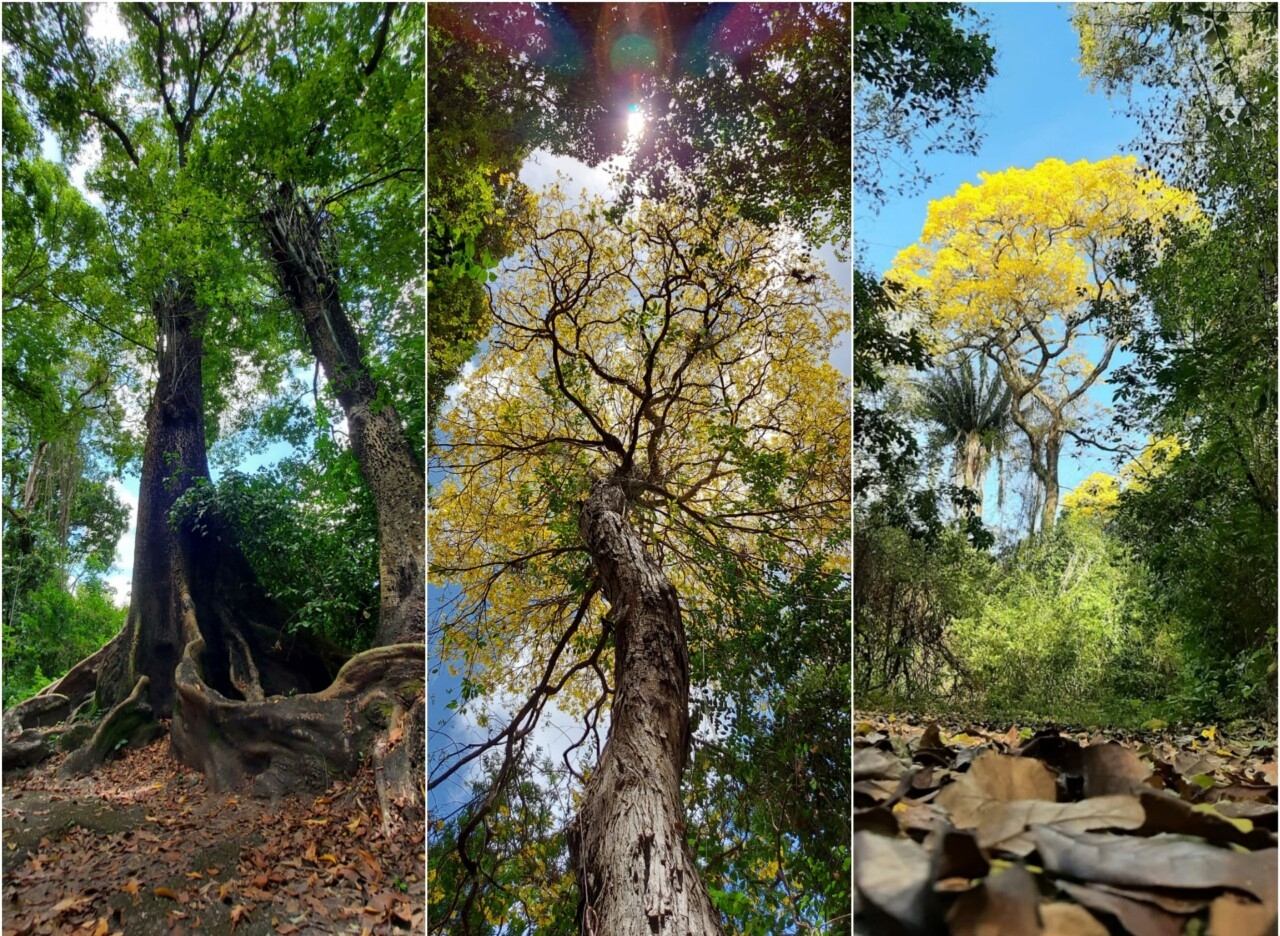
[[636, 875], [973, 465], [1052, 452], [390, 467]]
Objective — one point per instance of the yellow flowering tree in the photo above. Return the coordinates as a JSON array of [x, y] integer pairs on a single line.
[[1099, 494], [1095, 496], [656, 404], [1026, 267]]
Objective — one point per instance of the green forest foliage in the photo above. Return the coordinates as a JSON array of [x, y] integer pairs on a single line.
[[309, 530], [1058, 627], [1163, 602], [325, 97]]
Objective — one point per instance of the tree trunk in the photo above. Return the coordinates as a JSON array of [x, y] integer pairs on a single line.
[[1052, 452], [636, 875], [173, 458], [973, 468], [390, 467], [205, 645], [190, 584]]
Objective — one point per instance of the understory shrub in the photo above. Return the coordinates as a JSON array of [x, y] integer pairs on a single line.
[[1061, 626], [309, 530], [1068, 631], [50, 629], [907, 591]]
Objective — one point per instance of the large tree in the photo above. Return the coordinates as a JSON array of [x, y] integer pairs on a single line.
[[359, 148], [203, 641], [657, 394], [968, 413], [1026, 268]]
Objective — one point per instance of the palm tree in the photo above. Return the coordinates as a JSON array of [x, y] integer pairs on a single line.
[[969, 407]]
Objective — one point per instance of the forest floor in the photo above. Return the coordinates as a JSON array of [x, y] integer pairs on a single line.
[[143, 846], [969, 828]]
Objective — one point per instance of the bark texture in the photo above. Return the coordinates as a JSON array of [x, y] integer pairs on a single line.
[[173, 458], [299, 742], [298, 247], [129, 722], [635, 873], [205, 645], [194, 584]]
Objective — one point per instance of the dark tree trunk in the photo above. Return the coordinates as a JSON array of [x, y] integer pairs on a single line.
[[190, 584], [389, 466], [174, 457], [636, 875], [204, 644], [1052, 454]]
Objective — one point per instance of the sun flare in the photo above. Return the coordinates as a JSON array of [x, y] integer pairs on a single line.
[[635, 122]]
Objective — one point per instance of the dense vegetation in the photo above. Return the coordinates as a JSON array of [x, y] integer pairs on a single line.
[[213, 260], [655, 368], [1146, 593]]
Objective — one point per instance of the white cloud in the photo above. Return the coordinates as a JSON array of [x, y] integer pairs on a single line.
[[543, 169], [87, 159]]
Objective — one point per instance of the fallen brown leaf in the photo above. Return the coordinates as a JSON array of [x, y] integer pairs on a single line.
[[1231, 916], [1111, 768], [1007, 902], [893, 875], [999, 777], [1065, 919], [1139, 919], [1161, 861]]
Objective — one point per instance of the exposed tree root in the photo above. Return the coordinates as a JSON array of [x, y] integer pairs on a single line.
[[130, 722], [273, 744], [286, 744]]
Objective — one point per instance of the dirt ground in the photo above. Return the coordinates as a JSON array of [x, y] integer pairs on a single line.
[[142, 847]]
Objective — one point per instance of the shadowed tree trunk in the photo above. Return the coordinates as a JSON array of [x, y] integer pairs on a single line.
[[188, 583], [636, 875], [205, 645], [389, 466], [174, 457]]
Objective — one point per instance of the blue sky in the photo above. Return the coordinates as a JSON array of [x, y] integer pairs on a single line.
[[1037, 106]]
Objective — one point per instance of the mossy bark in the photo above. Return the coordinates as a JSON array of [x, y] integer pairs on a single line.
[[131, 721]]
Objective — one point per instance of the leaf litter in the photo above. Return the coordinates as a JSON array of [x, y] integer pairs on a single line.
[[143, 846], [991, 832]]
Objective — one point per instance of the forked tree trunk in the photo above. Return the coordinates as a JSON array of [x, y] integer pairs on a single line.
[[636, 875], [394, 474]]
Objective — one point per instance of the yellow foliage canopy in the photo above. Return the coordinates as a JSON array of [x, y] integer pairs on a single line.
[[1099, 493], [1025, 267], [1028, 245], [682, 347], [1094, 496]]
